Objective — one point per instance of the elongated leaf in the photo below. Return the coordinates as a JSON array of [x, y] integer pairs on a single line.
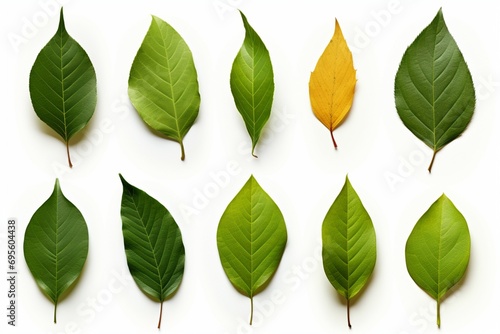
[[56, 244], [434, 92], [63, 85], [252, 83], [349, 244], [251, 239], [438, 250], [331, 86], [163, 84], [153, 244]]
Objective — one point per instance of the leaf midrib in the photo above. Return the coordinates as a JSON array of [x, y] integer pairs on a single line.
[[57, 248], [151, 245], [170, 85], [63, 98]]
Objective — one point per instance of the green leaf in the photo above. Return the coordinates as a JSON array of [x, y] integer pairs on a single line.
[[63, 85], [252, 83], [56, 244], [251, 239], [349, 244], [438, 250], [163, 84], [434, 92], [153, 244]]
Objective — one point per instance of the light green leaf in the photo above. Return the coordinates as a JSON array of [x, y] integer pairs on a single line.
[[349, 244], [252, 83], [153, 244], [251, 239], [438, 250], [434, 92], [63, 85], [163, 84], [55, 246]]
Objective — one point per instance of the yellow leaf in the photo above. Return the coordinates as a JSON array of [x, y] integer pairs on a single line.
[[331, 86]]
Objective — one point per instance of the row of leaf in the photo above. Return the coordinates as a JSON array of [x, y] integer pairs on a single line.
[[434, 93], [251, 239]]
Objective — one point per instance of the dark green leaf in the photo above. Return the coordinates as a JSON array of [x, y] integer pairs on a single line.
[[438, 250], [434, 92], [252, 83], [56, 244], [251, 239], [163, 84], [63, 85], [349, 244], [153, 244]]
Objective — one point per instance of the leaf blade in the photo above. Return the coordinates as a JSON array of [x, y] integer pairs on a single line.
[[437, 251], [163, 82], [251, 239], [349, 244], [434, 92], [252, 83], [63, 85], [332, 83], [153, 244], [56, 245]]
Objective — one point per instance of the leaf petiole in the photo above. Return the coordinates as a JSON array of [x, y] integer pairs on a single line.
[[161, 313], [251, 310]]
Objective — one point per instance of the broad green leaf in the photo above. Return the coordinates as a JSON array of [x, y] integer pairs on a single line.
[[438, 250], [56, 244], [251, 239], [153, 244], [434, 92], [349, 244], [163, 84], [63, 85], [252, 83], [331, 86]]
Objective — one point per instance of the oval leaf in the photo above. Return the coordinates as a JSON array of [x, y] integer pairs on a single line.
[[349, 244], [56, 244], [434, 92], [251, 239], [438, 250], [63, 86], [252, 83], [163, 83], [331, 86], [153, 244]]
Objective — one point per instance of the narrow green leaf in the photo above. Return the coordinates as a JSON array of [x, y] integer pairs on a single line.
[[252, 83], [163, 84], [434, 91], [349, 244], [438, 250], [251, 239], [153, 244], [56, 244], [63, 85]]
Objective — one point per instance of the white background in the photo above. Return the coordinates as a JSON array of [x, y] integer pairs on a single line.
[[297, 166]]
